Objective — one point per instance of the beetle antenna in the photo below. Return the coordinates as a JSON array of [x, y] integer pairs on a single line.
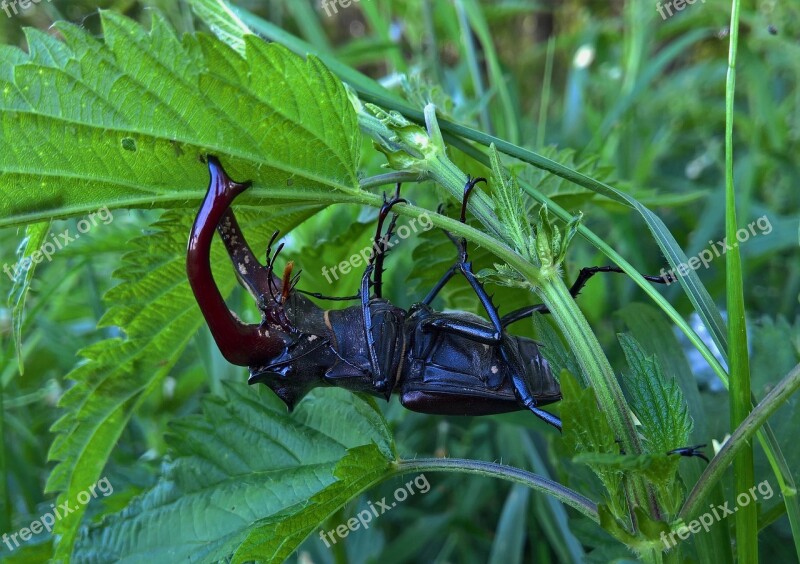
[[271, 268], [271, 262], [295, 280]]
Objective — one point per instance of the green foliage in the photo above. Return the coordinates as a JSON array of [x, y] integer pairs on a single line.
[[122, 123], [122, 120], [158, 311], [586, 430], [657, 402], [191, 97], [510, 208], [249, 479], [35, 235]]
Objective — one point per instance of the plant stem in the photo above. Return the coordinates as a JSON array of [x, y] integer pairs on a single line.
[[739, 440], [597, 374], [388, 178], [746, 519], [567, 496]]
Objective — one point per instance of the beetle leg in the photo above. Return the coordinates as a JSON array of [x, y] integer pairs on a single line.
[[480, 333], [466, 328], [493, 336], [375, 367], [522, 388], [380, 247], [381, 243], [240, 343], [583, 277], [461, 244], [690, 451], [331, 298]]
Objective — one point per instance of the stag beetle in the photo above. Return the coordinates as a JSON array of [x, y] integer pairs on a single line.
[[439, 363]]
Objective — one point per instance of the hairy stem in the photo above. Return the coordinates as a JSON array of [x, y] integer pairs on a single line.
[[567, 496]]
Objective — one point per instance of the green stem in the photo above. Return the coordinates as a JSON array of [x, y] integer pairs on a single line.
[[388, 178], [599, 375], [567, 496], [597, 371], [739, 440], [746, 519]]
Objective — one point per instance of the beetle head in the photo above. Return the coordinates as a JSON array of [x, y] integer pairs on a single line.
[[298, 369]]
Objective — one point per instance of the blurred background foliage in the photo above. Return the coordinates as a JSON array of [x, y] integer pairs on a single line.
[[609, 87]]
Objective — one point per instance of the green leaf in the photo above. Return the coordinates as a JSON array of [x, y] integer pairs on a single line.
[[552, 347], [35, 236], [586, 430], [510, 206], [275, 538], [123, 122], [657, 401], [222, 22], [509, 543], [155, 307], [249, 478], [655, 333]]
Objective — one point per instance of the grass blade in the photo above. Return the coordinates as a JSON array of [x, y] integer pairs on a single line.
[[746, 520]]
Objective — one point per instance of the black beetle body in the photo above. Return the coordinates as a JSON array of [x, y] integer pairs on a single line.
[[439, 363], [454, 363]]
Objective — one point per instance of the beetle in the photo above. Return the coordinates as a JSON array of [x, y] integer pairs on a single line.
[[454, 363], [439, 363]]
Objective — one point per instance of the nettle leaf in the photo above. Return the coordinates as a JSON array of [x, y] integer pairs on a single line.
[[587, 432], [122, 123], [657, 401], [553, 348], [249, 479], [275, 538], [509, 205], [222, 22], [665, 424], [156, 308]]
